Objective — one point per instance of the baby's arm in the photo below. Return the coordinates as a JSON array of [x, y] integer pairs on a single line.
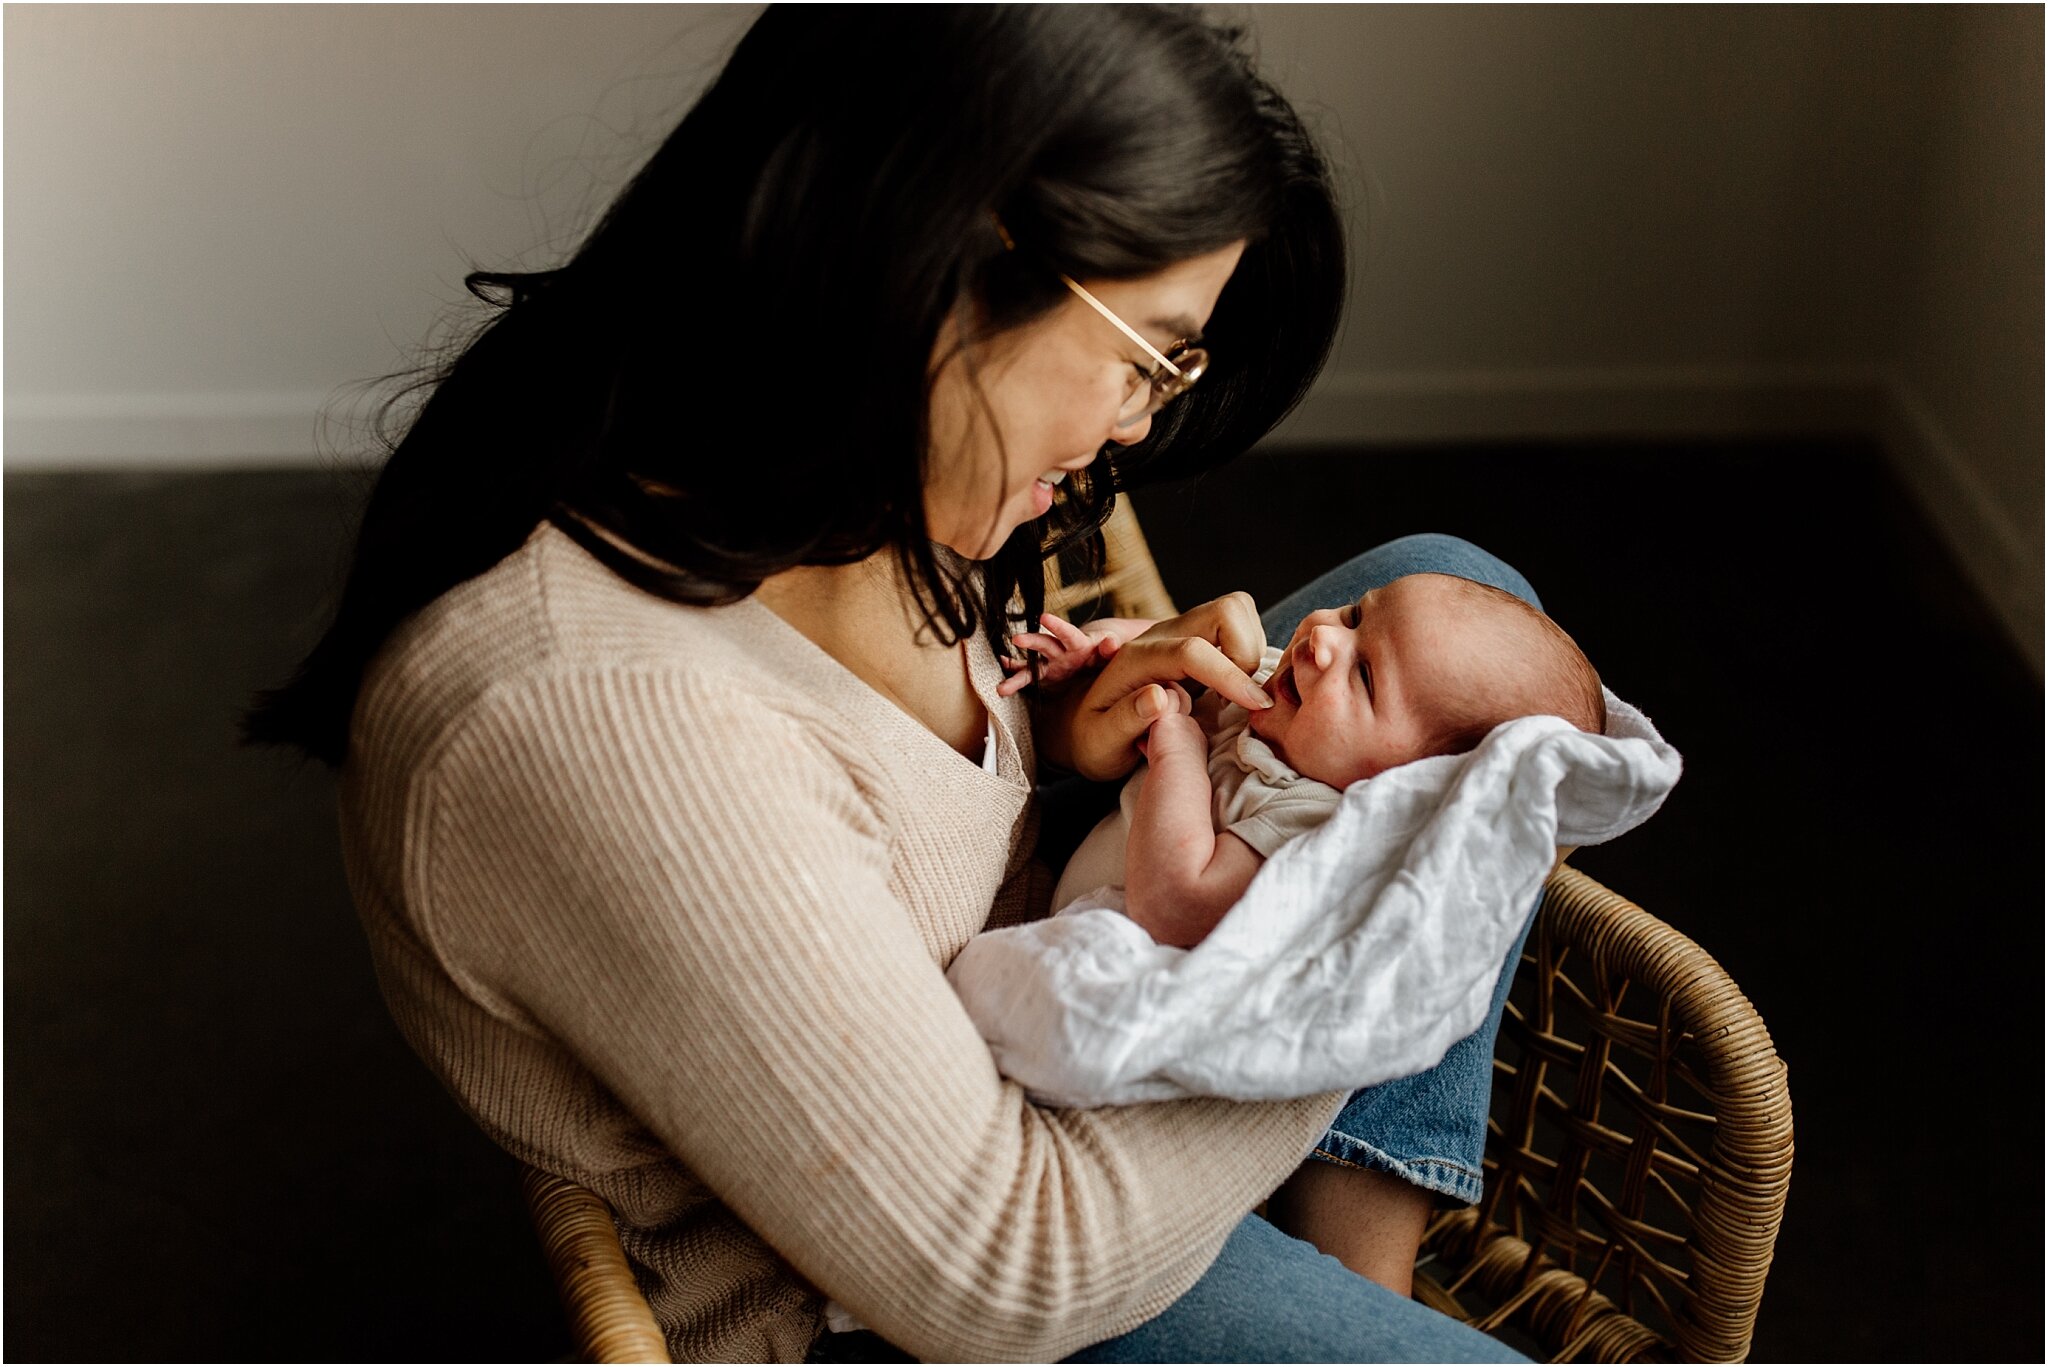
[[1180, 875], [1065, 650]]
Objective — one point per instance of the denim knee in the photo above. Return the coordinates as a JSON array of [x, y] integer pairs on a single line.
[[1420, 553], [1430, 1129], [1442, 553], [1271, 1298]]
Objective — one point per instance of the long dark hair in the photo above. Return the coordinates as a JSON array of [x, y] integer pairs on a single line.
[[786, 260]]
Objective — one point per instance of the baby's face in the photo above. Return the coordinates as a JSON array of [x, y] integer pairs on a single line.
[[1352, 695]]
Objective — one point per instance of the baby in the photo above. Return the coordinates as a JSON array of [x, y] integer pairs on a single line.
[[1425, 665]]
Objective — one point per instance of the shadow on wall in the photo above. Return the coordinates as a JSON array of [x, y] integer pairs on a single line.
[[218, 1147]]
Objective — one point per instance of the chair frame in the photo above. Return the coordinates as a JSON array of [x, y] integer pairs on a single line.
[[1129, 585], [609, 1318], [1639, 1149]]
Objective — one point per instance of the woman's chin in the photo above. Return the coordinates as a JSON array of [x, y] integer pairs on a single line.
[[978, 542], [972, 550], [981, 541]]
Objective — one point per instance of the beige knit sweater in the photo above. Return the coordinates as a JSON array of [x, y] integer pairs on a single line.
[[665, 896]]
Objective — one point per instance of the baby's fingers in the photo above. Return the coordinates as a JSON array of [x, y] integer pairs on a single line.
[[1053, 649], [1068, 635], [1161, 700], [1172, 732]]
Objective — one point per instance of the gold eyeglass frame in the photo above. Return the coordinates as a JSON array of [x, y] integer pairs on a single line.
[[1168, 380]]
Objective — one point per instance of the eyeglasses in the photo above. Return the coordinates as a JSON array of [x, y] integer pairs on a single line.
[[1179, 366], [1178, 369]]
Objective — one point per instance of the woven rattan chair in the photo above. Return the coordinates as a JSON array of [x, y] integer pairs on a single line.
[[1129, 584], [1639, 1151]]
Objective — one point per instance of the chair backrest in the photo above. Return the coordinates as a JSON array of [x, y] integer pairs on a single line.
[[1640, 1148], [1129, 585]]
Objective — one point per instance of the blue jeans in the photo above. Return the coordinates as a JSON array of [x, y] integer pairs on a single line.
[[1266, 1298], [1272, 1298]]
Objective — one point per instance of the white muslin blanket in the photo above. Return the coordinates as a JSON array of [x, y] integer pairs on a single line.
[[1361, 952]]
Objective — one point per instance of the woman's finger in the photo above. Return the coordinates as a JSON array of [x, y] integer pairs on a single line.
[[1105, 738], [1230, 623], [1240, 636], [1196, 660], [1211, 646]]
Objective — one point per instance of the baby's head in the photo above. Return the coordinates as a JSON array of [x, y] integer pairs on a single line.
[[1426, 665]]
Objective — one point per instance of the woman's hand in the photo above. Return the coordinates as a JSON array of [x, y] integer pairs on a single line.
[[1093, 728]]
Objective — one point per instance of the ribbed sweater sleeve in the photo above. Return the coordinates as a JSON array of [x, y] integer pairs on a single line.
[[693, 897]]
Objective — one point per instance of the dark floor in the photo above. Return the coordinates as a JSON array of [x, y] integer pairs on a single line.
[[218, 1148]]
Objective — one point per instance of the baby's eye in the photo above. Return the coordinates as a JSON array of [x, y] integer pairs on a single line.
[[1350, 617]]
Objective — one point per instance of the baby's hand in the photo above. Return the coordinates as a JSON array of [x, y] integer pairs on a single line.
[[1064, 650], [1174, 730]]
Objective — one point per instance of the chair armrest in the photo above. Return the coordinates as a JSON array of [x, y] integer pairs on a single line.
[[1639, 1151], [608, 1316]]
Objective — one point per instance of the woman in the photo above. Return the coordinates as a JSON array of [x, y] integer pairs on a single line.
[[664, 686]]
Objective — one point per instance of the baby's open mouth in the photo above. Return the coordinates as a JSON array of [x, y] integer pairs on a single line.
[[1281, 685]]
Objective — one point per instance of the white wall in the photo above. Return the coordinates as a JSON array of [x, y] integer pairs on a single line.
[[1694, 220], [1965, 410], [1569, 220], [220, 215], [1604, 187]]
